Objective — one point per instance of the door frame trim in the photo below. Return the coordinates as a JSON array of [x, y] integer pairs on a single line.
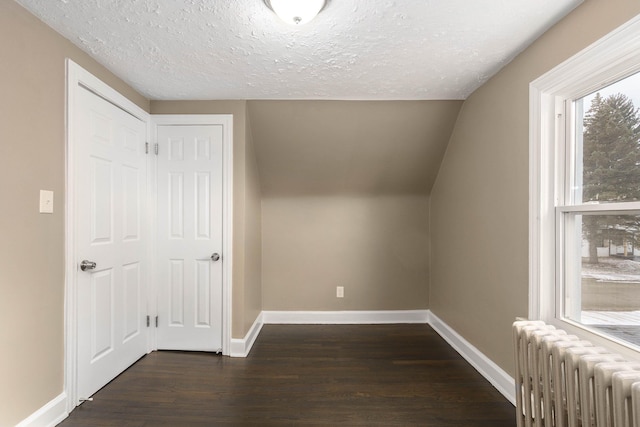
[[226, 120], [77, 78]]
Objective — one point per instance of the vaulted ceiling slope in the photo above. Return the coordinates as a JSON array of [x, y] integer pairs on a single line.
[[355, 49], [318, 148]]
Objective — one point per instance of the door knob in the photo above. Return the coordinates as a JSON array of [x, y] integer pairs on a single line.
[[87, 265], [215, 257]]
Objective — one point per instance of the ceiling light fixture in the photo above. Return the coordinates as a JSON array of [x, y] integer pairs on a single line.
[[296, 12]]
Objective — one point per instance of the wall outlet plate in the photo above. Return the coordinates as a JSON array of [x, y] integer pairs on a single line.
[[340, 291]]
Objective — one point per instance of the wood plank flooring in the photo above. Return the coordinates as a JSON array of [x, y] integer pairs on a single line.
[[305, 375]]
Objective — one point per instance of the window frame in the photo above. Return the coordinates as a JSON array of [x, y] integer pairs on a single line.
[[551, 168]]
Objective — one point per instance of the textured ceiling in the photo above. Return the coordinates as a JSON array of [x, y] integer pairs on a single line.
[[355, 49]]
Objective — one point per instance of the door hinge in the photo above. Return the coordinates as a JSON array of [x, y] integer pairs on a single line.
[[146, 148], [156, 148], [148, 319], [156, 321]]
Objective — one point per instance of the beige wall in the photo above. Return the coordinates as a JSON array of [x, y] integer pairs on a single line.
[[253, 235], [246, 294], [345, 189], [32, 120], [479, 205], [374, 246], [329, 148]]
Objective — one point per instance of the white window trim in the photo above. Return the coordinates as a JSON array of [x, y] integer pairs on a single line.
[[604, 62]]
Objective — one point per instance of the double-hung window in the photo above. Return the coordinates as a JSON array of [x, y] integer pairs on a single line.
[[585, 192]]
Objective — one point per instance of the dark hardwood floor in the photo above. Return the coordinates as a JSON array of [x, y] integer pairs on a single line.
[[307, 375]]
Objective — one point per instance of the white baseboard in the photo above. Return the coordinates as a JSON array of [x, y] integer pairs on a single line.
[[49, 415], [345, 317], [502, 381], [240, 347]]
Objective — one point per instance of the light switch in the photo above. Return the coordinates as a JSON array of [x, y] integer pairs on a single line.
[[46, 201]]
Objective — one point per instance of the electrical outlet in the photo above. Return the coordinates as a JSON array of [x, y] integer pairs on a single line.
[[340, 291]]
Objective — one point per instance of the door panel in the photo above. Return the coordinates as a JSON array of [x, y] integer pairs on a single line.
[[189, 232], [101, 313], [110, 167]]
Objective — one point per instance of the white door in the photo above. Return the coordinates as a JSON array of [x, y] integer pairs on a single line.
[[110, 170], [189, 267]]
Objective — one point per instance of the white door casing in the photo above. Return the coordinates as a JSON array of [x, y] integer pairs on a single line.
[[189, 238], [224, 123]]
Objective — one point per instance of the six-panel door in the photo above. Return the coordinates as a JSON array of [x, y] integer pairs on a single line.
[[189, 234], [110, 163]]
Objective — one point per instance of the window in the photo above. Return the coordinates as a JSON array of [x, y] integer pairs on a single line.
[[599, 220], [585, 192]]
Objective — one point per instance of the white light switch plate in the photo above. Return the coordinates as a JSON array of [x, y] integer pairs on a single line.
[[46, 201]]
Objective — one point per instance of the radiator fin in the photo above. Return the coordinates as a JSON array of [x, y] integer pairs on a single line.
[[563, 381]]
